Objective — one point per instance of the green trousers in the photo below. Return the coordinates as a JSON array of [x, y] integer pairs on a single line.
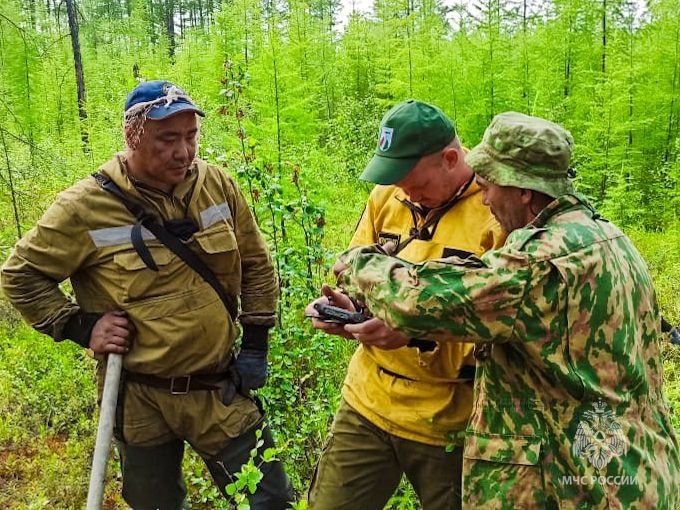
[[152, 475], [153, 426], [362, 465]]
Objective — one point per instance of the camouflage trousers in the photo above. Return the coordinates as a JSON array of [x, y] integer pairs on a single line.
[[362, 465]]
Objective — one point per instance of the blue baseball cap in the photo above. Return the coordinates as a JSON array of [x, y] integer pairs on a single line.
[[164, 98]]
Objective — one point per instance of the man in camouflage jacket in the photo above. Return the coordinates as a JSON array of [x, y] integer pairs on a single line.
[[569, 410]]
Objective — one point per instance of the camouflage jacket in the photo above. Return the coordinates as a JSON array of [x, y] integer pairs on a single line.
[[568, 411]]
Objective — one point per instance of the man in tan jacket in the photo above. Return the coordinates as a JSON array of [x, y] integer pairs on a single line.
[[182, 380]]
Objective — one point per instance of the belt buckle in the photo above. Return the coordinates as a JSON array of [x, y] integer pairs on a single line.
[[180, 385]]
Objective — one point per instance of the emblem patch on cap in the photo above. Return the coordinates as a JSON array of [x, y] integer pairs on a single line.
[[385, 140], [168, 86]]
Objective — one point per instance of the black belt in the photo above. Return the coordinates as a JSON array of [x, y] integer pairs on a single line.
[[467, 372], [178, 385]]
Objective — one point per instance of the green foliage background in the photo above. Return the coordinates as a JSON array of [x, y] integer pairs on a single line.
[[293, 105]]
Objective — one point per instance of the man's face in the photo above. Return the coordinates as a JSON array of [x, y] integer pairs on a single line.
[[508, 204], [165, 151], [425, 183]]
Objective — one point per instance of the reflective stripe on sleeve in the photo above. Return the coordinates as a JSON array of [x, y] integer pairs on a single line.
[[116, 235], [215, 213]]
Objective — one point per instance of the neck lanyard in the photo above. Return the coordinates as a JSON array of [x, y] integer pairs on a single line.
[[424, 233]]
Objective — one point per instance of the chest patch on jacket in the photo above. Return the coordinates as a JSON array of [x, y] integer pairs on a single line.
[[455, 252], [386, 237]]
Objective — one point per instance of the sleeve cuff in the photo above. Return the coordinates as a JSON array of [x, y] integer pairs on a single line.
[[78, 328], [255, 337]]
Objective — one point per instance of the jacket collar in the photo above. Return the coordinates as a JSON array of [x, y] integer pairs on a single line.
[[561, 205], [471, 189], [116, 170]]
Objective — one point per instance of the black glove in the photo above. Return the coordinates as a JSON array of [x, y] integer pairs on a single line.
[[79, 327], [228, 387], [249, 371]]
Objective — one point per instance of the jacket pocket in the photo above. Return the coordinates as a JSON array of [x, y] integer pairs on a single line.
[[502, 469], [520, 450], [136, 279], [218, 248]]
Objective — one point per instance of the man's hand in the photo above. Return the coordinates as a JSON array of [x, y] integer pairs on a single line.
[[113, 332], [372, 332], [378, 334], [335, 298], [344, 260], [338, 268]]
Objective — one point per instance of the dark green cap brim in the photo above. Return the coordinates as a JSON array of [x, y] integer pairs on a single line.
[[382, 170]]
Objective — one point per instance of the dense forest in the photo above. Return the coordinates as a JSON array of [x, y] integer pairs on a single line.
[[293, 99]]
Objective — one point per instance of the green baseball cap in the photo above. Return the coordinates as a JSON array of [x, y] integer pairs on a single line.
[[409, 131], [525, 152]]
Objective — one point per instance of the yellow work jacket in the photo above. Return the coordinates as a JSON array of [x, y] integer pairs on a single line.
[[414, 394], [182, 326]]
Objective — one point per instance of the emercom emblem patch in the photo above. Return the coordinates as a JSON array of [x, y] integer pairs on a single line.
[[386, 237]]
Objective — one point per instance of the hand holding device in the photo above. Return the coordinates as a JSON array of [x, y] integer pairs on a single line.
[[335, 315]]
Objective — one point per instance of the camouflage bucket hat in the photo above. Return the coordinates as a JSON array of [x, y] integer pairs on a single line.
[[525, 152]]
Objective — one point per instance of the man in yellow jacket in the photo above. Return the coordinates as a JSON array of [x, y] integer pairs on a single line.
[[401, 408], [135, 296]]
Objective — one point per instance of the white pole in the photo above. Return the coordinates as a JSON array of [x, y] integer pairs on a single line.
[[107, 416]]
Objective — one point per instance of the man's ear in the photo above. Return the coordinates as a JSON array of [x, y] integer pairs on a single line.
[[450, 154], [525, 196]]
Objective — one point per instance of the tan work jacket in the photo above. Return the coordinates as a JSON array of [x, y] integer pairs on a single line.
[[182, 327]]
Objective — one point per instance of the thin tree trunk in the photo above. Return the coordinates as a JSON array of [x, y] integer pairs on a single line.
[[670, 127], [631, 84], [277, 105], [604, 36], [153, 38], [525, 55], [278, 116], [27, 79], [31, 13], [170, 27], [78, 67], [567, 58], [607, 145], [492, 34], [182, 18], [12, 191], [28, 99], [453, 82], [408, 42], [357, 66], [246, 33], [2, 47]]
